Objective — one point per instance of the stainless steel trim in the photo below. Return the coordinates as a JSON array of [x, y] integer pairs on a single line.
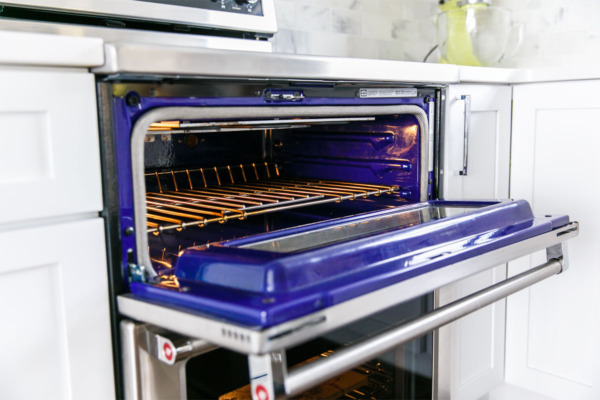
[[138, 36], [268, 373], [131, 58], [431, 156], [467, 127], [183, 348], [145, 374], [253, 340], [129, 360], [140, 130], [161, 13], [308, 375]]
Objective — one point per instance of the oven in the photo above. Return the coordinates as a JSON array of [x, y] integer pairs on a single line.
[[274, 222], [294, 224]]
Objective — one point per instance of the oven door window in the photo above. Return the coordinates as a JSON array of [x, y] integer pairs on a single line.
[[404, 372]]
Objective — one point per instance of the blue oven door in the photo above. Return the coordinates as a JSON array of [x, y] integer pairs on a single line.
[[269, 279]]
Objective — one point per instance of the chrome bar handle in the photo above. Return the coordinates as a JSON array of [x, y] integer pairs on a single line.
[[467, 127], [308, 375]]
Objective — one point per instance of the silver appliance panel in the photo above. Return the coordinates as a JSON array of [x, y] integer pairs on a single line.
[[164, 13]]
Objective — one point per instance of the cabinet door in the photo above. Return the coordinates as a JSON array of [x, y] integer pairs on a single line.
[[49, 152], [471, 350], [552, 328], [55, 329]]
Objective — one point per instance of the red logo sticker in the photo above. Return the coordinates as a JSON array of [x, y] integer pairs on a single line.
[[261, 393], [168, 351]]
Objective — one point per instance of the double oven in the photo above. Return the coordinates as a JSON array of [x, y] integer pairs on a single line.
[[275, 225]]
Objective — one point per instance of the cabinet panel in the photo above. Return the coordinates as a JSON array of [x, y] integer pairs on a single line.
[[55, 318], [471, 350], [49, 158], [488, 143], [552, 345]]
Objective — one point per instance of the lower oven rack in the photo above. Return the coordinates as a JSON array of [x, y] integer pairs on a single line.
[[240, 192]]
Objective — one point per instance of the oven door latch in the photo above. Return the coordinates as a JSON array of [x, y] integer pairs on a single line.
[[284, 95]]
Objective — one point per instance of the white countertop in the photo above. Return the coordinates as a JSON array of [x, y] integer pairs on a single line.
[[82, 48], [39, 49]]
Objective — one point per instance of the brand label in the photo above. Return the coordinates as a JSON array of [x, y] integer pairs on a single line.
[[387, 92]]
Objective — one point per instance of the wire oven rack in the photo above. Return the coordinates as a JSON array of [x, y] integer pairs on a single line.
[[240, 192]]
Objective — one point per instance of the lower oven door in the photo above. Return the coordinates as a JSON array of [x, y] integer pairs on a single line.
[[269, 293]]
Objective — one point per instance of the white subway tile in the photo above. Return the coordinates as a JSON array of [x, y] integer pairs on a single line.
[[346, 21], [283, 42], [377, 26], [361, 47], [285, 11], [312, 18]]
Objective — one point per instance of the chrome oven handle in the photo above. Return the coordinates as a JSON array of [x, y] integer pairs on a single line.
[[467, 127], [308, 375]]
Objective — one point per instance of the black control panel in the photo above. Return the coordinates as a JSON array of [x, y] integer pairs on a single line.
[[249, 7]]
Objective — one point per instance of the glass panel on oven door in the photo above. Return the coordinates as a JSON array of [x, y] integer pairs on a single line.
[[401, 373]]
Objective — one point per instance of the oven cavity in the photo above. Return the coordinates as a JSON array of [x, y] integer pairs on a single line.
[[213, 181]]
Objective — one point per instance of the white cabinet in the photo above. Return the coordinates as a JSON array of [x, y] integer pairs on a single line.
[[55, 322], [488, 153], [49, 157], [471, 350], [552, 328]]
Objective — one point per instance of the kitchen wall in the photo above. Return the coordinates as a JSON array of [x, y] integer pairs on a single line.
[[386, 29], [557, 32]]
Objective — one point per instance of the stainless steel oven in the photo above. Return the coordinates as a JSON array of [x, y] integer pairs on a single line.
[[296, 223], [273, 221]]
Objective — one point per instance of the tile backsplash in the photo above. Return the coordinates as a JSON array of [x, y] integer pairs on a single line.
[[557, 33]]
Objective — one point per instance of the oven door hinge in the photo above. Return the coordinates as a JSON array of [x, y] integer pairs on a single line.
[[137, 273]]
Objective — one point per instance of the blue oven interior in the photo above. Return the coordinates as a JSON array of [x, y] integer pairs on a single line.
[[379, 151]]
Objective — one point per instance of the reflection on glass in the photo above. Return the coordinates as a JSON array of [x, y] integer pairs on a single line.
[[355, 230]]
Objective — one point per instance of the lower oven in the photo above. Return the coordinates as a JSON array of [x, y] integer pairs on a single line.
[[283, 238]]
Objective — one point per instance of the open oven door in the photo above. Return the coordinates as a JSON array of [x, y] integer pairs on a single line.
[[267, 292]]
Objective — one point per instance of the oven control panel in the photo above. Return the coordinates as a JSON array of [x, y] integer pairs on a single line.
[[251, 7], [249, 17]]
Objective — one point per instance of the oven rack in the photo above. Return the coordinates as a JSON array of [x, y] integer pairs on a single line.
[[260, 191], [179, 127]]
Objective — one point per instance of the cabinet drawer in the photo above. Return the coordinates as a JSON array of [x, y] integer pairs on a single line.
[[49, 152]]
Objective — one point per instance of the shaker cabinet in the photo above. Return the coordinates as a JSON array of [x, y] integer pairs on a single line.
[[476, 165], [552, 345], [55, 322], [50, 157], [56, 339]]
